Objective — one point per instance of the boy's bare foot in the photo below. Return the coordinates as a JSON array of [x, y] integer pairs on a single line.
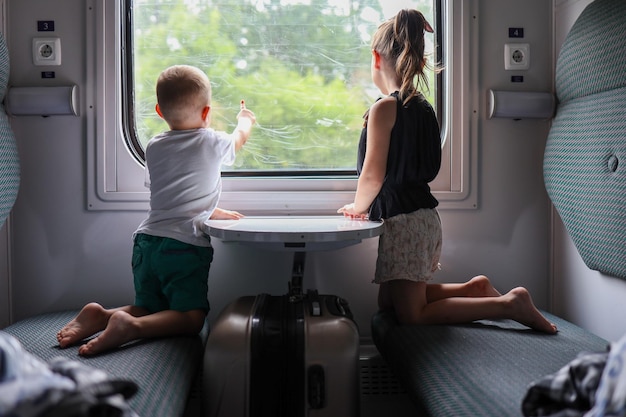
[[525, 312], [120, 329], [482, 287], [91, 319]]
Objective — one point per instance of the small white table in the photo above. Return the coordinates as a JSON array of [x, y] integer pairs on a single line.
[[297, 234]]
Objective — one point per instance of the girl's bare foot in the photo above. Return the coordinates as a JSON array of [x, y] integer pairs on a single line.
[[480, 286], [91, 319], [121, 329], [525, 312]]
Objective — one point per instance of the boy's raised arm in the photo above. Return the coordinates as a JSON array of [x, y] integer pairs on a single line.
[[245, 120]]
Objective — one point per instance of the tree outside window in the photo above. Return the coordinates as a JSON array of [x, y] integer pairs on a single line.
[[303, 67]]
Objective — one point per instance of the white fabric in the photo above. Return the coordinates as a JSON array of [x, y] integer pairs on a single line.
[[610, 399], [183, 172], [25, 378]]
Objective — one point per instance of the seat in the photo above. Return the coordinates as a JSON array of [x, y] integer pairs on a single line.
[[585, 156], [9, 159]]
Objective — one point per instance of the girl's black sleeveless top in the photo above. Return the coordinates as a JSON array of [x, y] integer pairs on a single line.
[[413, 161]]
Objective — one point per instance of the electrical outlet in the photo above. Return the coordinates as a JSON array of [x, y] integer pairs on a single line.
[[47, 51], [516, 56]]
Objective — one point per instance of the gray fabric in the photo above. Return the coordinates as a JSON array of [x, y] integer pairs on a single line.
[[585, 156], [164, 369], [480, 369]]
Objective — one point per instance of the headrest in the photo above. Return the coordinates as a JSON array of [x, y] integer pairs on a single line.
[[9, 161], [592, 56], [585, 156]]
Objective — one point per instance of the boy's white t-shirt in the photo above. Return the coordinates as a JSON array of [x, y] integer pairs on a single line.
[[183, 172]]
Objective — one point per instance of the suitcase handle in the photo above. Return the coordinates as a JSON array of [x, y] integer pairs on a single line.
[[314, 302], [317, 387]]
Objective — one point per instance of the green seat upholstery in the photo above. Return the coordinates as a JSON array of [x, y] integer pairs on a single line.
[[479, 369], [9, 160], [165, 369], [585, 155]]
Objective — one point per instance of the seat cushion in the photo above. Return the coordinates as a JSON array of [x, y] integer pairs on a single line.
[[164, 368], [479, 369]]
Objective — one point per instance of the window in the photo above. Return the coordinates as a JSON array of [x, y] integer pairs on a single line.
[[303, 66]]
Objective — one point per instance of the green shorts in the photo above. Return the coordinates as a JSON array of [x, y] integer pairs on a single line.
[[170, 275]]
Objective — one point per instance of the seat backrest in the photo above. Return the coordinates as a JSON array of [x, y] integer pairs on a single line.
[[585, 156], [9, 160]]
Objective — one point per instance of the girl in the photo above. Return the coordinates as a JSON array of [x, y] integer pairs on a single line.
[[399, 154]]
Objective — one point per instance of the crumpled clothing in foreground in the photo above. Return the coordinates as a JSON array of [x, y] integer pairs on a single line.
[[592, 385], [611, 394], [63, 388]]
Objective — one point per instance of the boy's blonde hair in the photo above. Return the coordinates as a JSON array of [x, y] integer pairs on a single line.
[[182, 90]]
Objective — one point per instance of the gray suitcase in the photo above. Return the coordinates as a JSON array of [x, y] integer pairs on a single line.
[[291, 355]]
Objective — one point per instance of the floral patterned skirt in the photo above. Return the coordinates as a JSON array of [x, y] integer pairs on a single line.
[[409, 247]]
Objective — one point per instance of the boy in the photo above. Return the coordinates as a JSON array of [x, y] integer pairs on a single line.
[[171, 255]]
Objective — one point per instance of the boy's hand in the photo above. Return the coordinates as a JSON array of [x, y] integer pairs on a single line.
[[245, 118], [221, 214]]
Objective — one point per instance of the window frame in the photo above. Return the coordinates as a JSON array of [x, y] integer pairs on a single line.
[[116, 177]]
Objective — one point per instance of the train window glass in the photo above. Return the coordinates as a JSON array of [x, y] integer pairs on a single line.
[[302, 66]]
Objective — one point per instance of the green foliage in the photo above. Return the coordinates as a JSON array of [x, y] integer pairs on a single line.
[[302, 67]]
